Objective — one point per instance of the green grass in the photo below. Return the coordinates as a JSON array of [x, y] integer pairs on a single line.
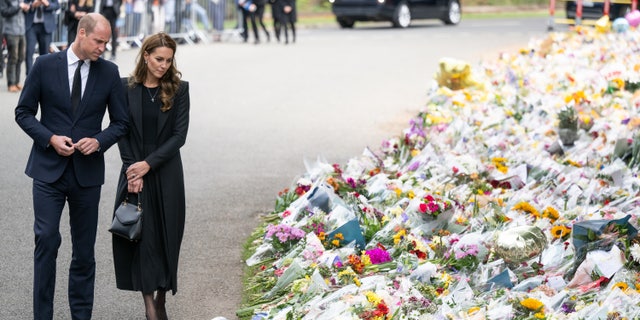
[[496, 15], [247, 250]]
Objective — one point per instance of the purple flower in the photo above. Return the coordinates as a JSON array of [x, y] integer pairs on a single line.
[[416, 128], [378, 255], [472, 249], [414, 166], [337, 262], [467, 250], [460, 254], [351, 182], [568, 307]]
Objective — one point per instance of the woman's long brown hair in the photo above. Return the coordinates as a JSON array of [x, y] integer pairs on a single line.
[[170, 82]]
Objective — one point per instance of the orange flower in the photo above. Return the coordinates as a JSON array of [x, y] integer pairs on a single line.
[[356, 263], [283, 192], [332, 182]]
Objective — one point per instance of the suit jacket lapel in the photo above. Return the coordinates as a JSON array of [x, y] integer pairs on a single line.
[[164, 116], [63, 74]]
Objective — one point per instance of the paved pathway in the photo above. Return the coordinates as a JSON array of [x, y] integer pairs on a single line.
[[257, 113]]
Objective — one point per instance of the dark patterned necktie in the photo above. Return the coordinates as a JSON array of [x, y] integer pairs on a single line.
[[76, 89], [39, 12]]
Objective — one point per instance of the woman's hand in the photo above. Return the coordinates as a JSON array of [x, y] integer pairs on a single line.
[[135, 186], [137, 170]]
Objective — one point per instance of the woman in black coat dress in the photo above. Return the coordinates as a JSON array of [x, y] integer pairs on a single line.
[[152, 170]]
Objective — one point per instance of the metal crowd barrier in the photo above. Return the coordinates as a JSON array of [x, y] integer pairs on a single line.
[[187, 21]]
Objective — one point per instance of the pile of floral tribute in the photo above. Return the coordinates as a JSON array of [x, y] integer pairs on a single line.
[[477, 211]]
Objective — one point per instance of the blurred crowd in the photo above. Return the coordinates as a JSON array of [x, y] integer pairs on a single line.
[[34, 27]]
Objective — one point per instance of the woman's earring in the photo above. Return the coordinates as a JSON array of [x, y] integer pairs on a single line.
[[145, 62]]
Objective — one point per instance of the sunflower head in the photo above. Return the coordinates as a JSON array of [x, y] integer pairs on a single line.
[[559, 232], [532, 304], [621, 285]]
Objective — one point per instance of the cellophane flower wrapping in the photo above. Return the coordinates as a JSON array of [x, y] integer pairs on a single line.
[[477, 210]]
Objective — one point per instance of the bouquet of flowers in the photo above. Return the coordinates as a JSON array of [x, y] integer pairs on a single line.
[[283, 237], [433, 206]]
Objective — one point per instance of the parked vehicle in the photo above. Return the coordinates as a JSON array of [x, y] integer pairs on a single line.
[[594, 10], [399, 12]]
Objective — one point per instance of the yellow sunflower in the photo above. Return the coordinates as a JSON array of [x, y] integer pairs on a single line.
[[527, 207], [621, 285], [500, 165], [473, 310], [399, 236], [551, 213], [559, 232], [532, 304], [573, 163]]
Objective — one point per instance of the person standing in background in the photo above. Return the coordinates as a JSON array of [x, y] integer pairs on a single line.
[[170, 21], [260, 7], [71, 90], [77, 10], [192, 11], [285, 17], [200, 13], [40, 23], [13, 31], [2, 44], [217, 11], [248, 10], [110, 9]]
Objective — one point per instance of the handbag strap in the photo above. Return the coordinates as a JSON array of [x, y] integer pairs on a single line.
[[126, 200]]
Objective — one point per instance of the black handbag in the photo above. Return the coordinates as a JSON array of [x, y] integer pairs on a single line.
[[127, 220]]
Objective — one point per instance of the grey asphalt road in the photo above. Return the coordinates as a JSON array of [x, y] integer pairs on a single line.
[[257, 111]]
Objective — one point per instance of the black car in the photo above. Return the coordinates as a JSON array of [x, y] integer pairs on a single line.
[[594, 10], [398, 12]]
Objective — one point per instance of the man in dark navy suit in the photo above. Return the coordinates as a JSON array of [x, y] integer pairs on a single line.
[[40, 23], [66, 160]]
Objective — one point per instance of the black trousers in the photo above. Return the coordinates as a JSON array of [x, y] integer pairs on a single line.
[[48, 202], [247, 17]]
